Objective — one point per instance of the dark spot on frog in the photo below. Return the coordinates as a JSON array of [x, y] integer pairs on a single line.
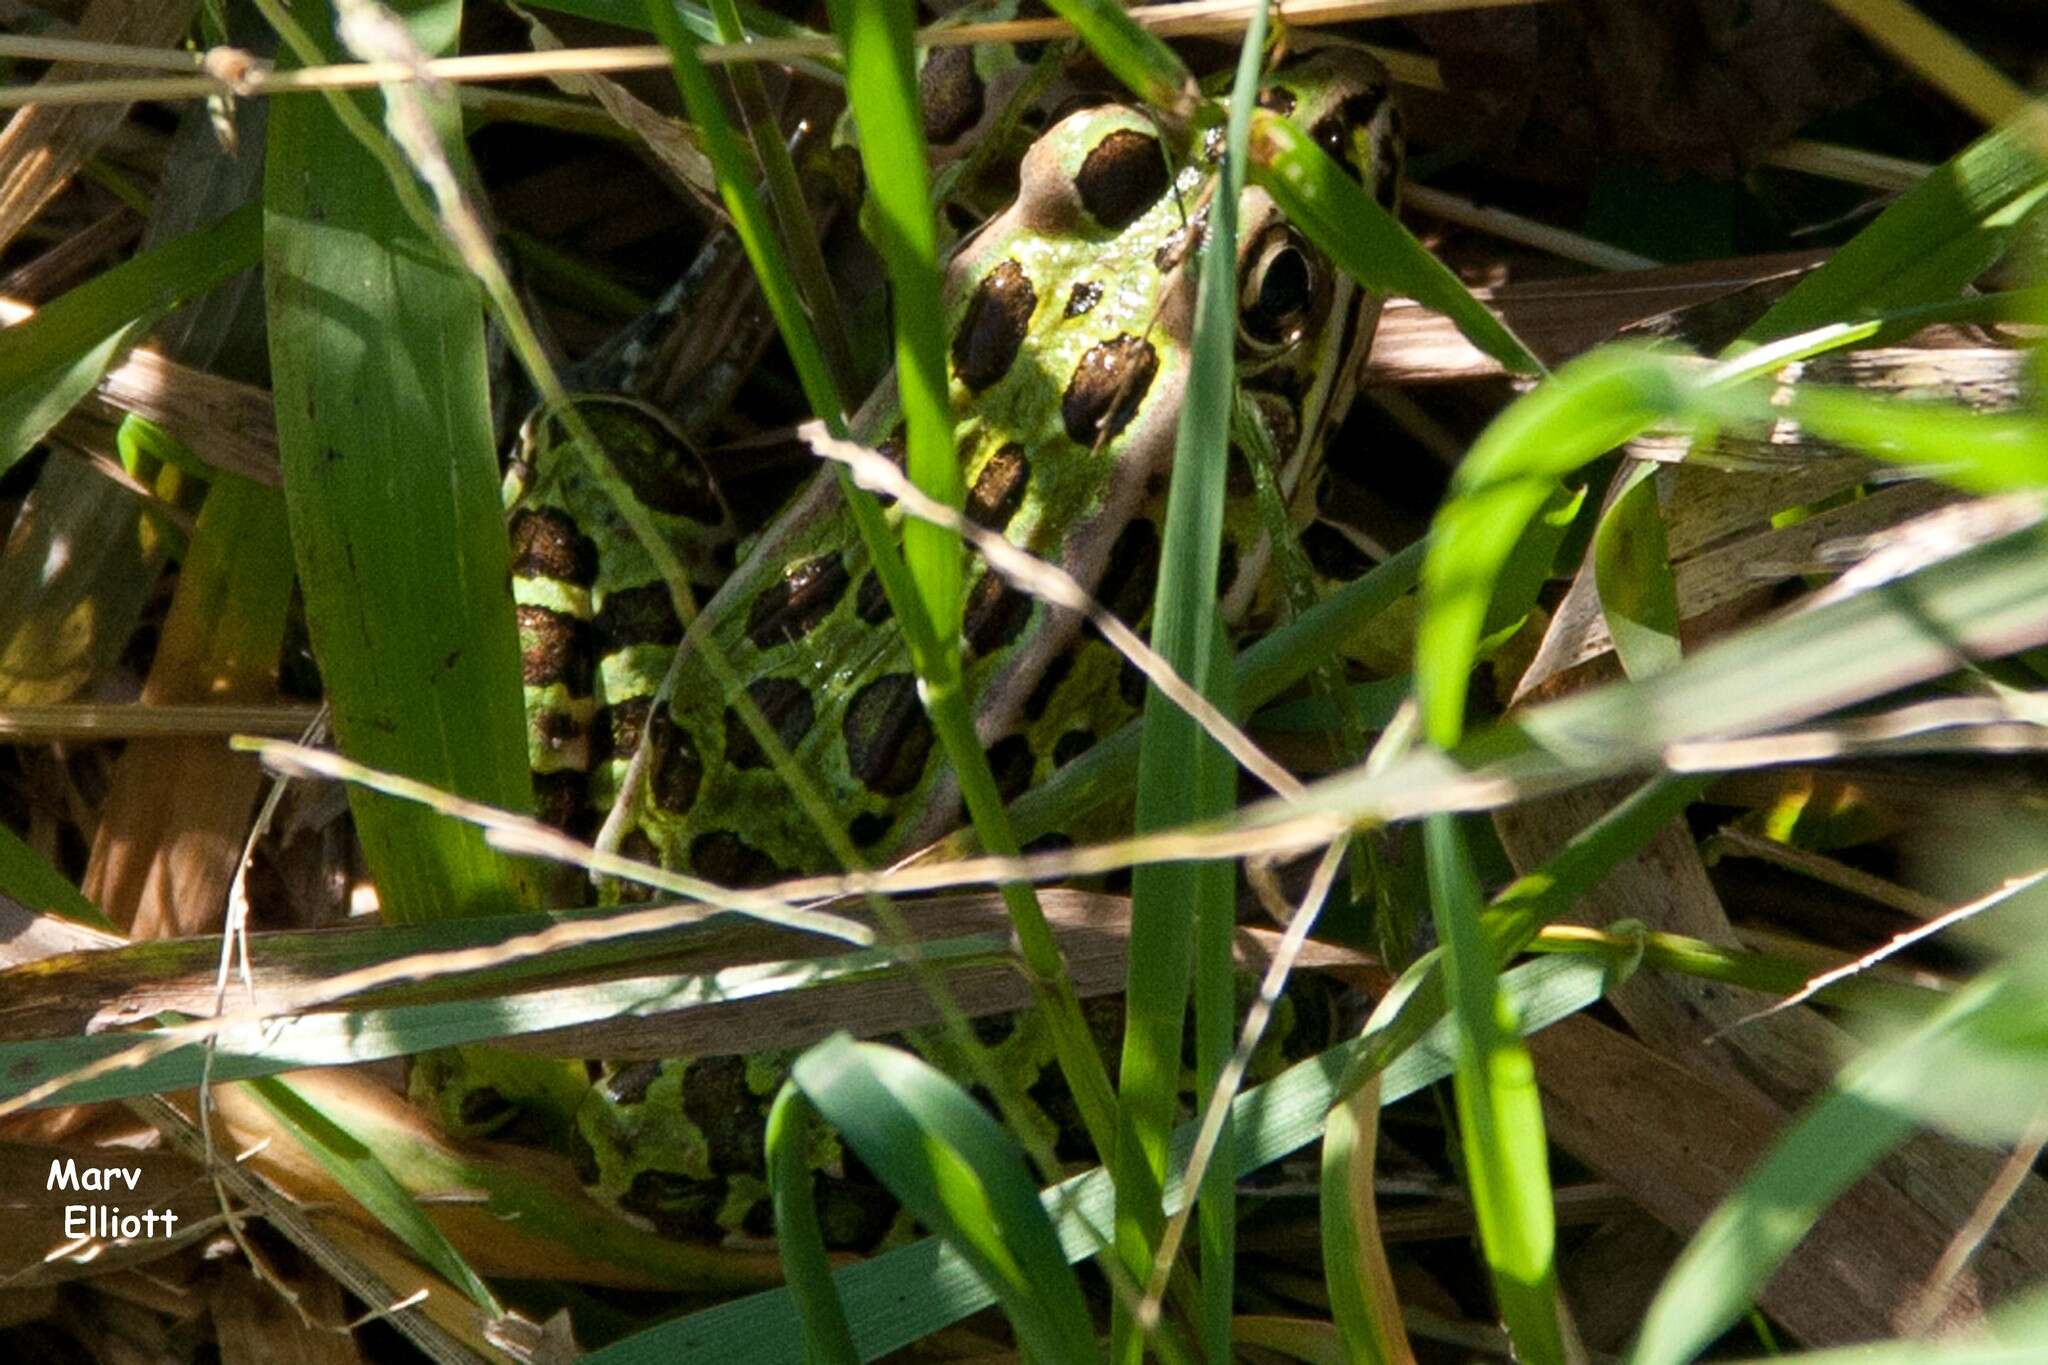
[[1131, 575], [870, 602], [867, 828], [1237, 474], [1130, 684], [679, 1207], [616, 729], [1083, 296], [558, 797], [680, 770], [1123, 175], [725, 1109], [791, 606], [1278, 99], [992, 329], [1071, 746], [645, 615], [1108, 385], [662, 469], [995, 616], [21, 1068], [554, 648], [1048, 684], [630, 1084], [547, 544], [724, 857], [1011, 760], [787, 707], [949, 91], [999, 488], [888, 735], [556, 730]]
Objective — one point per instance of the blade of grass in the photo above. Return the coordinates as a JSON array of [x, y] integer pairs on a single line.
[[391, 482], [910, 1292], [370, 1183], [52, 360], [1183, 776], [954, 1167], [1500, 1113], [1365, 1309], [828, 1337], [1935, 239]]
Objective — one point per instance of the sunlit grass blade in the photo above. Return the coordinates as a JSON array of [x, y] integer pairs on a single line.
[[1500, 1114], [1976, 1068], [52, 360], [1368, 242], [953, 1167], [1185, 912], [828, 1339], [27, 877], [923, 587], [1632, 565], [1365, 1310], [902, 1295], [1935, 239], [391, 481], [370, 1183]]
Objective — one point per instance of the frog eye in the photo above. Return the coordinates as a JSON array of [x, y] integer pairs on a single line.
[[1282, 290]]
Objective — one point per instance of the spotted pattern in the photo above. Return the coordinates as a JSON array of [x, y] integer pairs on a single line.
[[726, 858], [950, 93], [888, 735], [1011, 760], [787, 707], [1108, 385], [679, 772], [1082, 298], [789, 608], [999, 488], [1123, 175], [554, 650], [870, 601], [993, 328], [995, 616], [546, 544], [645, 615]]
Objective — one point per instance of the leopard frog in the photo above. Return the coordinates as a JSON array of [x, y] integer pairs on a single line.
[[1070, 315]]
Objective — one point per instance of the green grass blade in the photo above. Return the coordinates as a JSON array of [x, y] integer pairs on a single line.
[[1632, 567], [1183, 776], [828, 1338], [26, 876], [1936, 238], [52, 360], [882, 90], [1364, 1309], [910, 1292], [1500, 1113], [959, 1173], [370, 1183], [391, 481]]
